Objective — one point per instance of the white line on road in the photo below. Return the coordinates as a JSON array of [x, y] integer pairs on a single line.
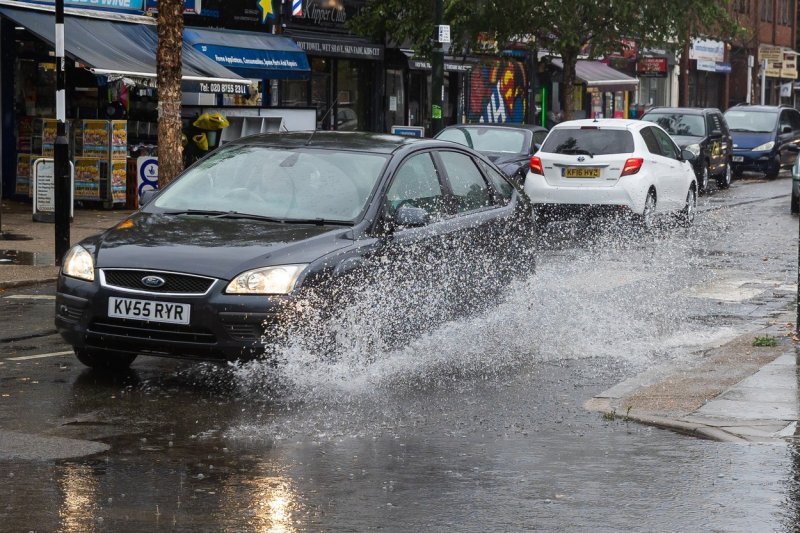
[[30, 297], [39, 356]]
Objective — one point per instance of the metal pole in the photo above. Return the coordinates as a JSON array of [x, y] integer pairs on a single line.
[[763, 81], [749, 96], [437, 74], [61, 176]]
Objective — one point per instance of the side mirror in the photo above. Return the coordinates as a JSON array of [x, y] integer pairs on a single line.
[[786, 129], [686, 155], [411, 217], [793, 148], [147, 197]]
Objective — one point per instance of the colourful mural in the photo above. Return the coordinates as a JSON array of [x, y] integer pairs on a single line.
[[497, 92]]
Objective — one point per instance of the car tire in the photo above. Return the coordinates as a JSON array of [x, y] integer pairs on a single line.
[[724, 181], [645, 219], [104, 361], [703, 179], [687, 214], [795, 205], [774, 168]]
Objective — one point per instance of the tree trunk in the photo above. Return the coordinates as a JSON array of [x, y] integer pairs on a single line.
[[683, 93], [168, 59], [569, 58]]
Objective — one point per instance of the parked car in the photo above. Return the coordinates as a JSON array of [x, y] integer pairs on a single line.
[[509, 146], [765, 138], [612, 163], [253, 227], [703, 132], [795, 205]]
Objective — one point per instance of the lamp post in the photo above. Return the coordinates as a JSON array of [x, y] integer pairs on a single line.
[[61, 175], [437, 71]]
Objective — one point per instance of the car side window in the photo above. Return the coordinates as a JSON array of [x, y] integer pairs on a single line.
[[416, 183], [650, 141], [667, 146], [714, 124], [501, 186], [785, 121], [538, 139], [794, 119], [470, 190]]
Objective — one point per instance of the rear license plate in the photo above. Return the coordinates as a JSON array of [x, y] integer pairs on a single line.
[[581, 172], [171, 313], [737, 159]]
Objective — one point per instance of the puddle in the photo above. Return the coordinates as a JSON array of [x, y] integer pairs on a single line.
[[16, 257]]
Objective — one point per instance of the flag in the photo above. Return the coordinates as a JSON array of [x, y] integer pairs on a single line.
[[297, 8]]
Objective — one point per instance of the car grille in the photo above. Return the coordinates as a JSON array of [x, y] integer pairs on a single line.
[[152, 331], [173, 283]]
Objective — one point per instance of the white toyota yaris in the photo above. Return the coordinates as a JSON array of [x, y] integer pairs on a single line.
[[613, 164]]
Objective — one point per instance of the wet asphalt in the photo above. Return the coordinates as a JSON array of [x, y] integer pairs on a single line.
[[476, 426]]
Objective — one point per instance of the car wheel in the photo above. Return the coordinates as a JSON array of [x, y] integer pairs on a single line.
[[795, 207], [646, 219], [687, 214], [104, 361], [774, 168], [704, 177], [724, 181]]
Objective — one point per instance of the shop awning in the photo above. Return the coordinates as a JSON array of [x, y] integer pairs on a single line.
[[251, 54], [601, 76], [107, 47]]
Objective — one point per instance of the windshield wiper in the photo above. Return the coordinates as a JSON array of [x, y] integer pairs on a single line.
[[202, 212], [743, 129], [251, 216], [317, 221], [579, 151]]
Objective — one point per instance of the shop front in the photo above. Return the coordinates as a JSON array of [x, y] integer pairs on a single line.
[[657, 82], [708, 74], [111, 97], [600, 91]]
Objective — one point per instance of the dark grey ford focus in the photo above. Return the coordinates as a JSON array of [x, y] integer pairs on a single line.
[[204, 269]]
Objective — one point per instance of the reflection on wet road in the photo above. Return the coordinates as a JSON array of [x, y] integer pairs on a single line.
[[476, 426]]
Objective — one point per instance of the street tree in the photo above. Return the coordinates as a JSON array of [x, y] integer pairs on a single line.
[[565, 28], [168, 59]]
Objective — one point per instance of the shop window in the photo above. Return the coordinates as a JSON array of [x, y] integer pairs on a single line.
[[395, 96], [294, 93]]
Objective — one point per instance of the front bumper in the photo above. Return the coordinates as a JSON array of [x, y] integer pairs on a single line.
[[222, 327], [749, 161]]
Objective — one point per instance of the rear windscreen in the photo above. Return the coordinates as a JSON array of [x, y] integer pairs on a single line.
[[594, 141]]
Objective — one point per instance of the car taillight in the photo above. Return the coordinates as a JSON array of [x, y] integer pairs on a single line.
[[632, 166], [536, 166]]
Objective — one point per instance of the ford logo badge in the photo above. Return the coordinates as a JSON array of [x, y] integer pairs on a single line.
[[581, 159], [153, 282]]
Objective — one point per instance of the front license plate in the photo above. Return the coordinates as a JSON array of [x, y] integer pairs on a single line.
[[172, 313], [737, 159], [581, 172]]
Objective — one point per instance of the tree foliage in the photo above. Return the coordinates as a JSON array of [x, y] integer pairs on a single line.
[[565, 28]]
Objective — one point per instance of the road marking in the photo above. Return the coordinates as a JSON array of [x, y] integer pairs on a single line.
[[30, 297], [39, 356]]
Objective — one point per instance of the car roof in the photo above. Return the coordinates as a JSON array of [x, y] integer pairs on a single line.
[[338, 140], [683, 110], [529, 127], [621, 123], [762, 108]]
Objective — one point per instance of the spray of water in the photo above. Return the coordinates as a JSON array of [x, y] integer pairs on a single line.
[[428, 319]]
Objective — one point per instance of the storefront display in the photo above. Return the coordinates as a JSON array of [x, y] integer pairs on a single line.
[[87, 178]]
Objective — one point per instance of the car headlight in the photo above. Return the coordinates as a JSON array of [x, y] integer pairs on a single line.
[[764, 147], [78, 263], [267, 280], [694, 148]]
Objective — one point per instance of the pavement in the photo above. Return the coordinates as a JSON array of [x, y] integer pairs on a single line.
[[736, 392], [27, 248]]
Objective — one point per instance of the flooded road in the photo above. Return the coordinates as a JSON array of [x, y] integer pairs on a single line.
[[476, 426]]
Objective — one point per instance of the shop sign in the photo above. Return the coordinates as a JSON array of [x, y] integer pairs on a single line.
[[789, 66], [713, 66], [190, 7], [44, 190], [417, 64], [322, 47], [215, 87], [770, 53], [652, 67], [146, 175], [252, 15], [707, 50], [110, 5], [409, 131], [323, 13]]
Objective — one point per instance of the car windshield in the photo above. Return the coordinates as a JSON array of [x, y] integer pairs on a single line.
[[752, 121], [284, 184], [498, 140], [677, 124], [590, 141]]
